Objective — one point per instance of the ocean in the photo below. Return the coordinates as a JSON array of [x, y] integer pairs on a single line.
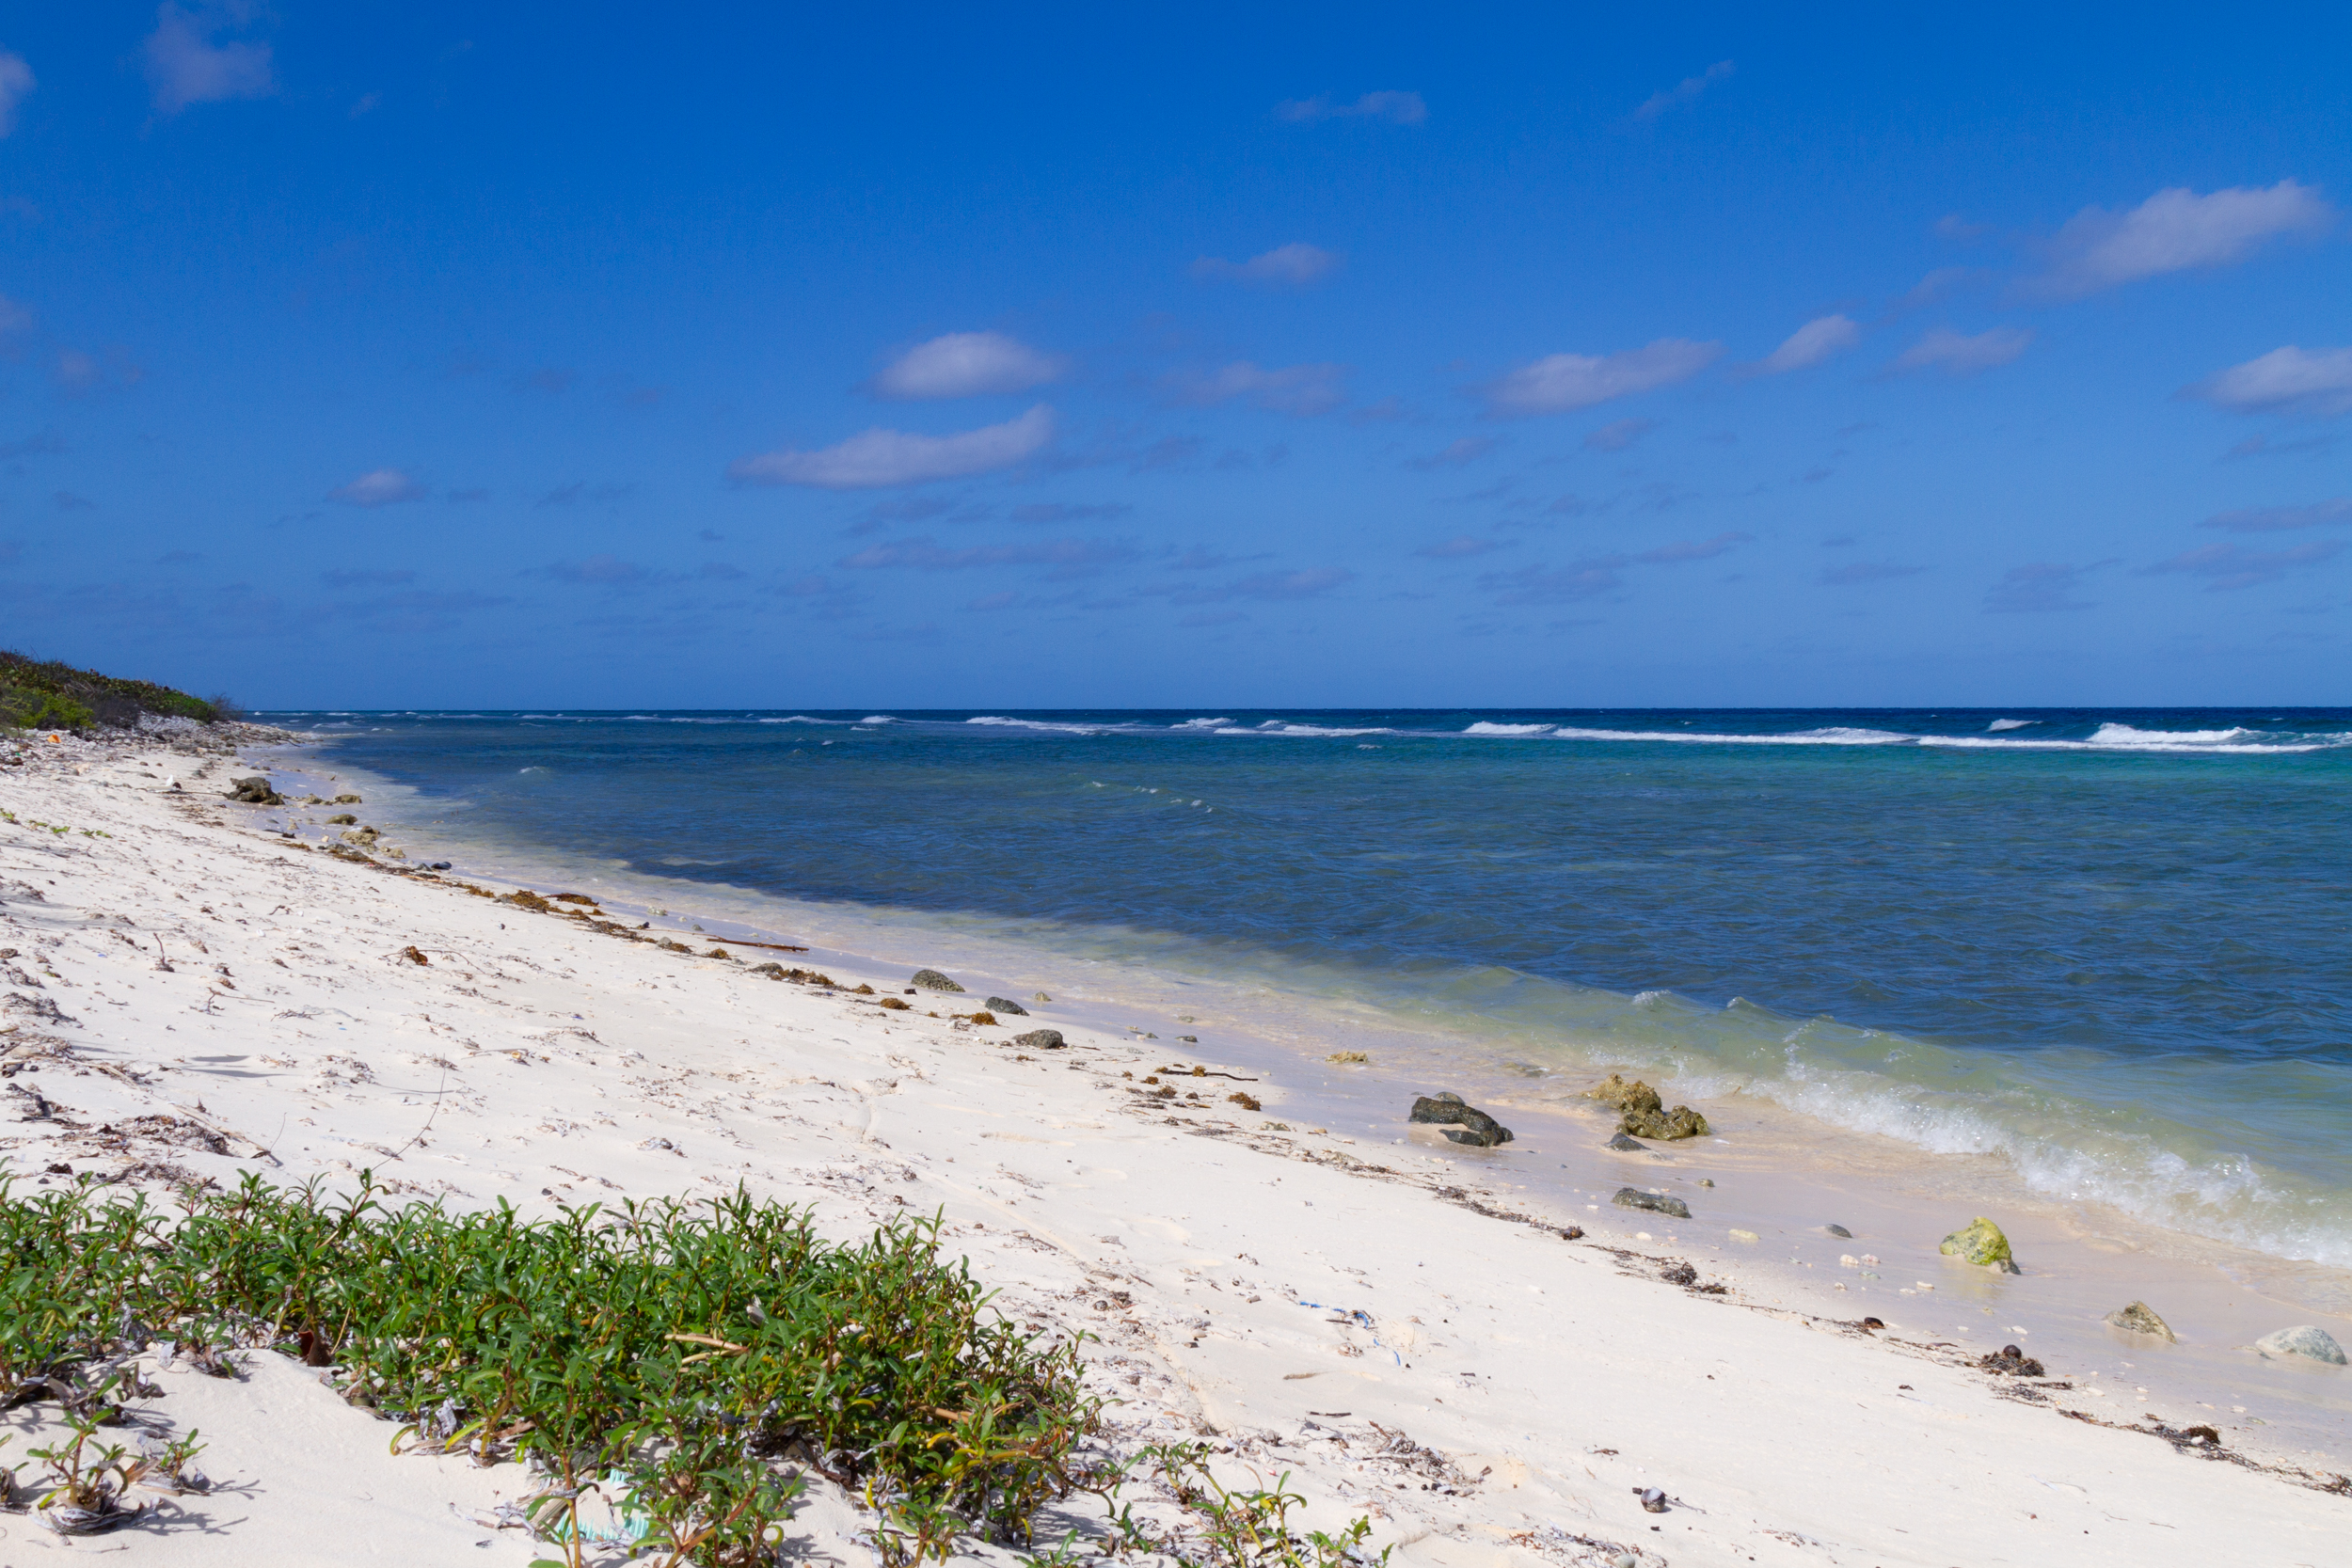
[[2112, 948]]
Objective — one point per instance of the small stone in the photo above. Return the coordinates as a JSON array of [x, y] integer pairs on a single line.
[[2140, 1318], [1622, 1142], [2308, 1340], [1189, 1040], [348, 799], [1980, 1241], [1040, 1039], [1840, 1230], [1633, 1198], [1848, 1260], [1706, 1180], [1040, 996], [1000, 1005], [931, 979], [1449, 1111]]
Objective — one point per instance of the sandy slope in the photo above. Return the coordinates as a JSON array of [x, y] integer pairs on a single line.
[[1502, 1397]]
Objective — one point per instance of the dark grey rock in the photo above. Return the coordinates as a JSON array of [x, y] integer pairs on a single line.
[[1633, 1198], [931, 979], [1040, 1039], [1189, 1040], [1621, 1141], [1476, 1137], [2305, 1340], [438, 865], [1838, 1231], [1448, 1110], [1001, 1005]]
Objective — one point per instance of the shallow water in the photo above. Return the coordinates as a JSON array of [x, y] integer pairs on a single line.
[[2107, 949]]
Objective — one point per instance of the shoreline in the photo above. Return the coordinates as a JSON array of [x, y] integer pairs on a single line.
[[1788, 1175], [581, 1067]]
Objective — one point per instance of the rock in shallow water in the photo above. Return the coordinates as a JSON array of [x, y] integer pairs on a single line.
[[1447, 1111], [1622, 1142], [1980, 1241], [931, 979], [2140, 1318], [1667, 1126], [1633, 1198], [1615, 1092], [2308, 1340]]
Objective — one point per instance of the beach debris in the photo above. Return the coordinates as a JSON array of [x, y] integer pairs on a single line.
[[1460, 1122], [1189, 1040], [1869, 1326], [1040, 1039], [931, 979], [348, 799], [1643, 1115], [862, 990], [895, 1004], [2010, 1361], [718, 953], [2309, 1340], [1621, 1142], [1656, 1203], [342, 819], [1343, 1057], [2140, 1318], [1243, 1099], [1653, 1499], [1848, 1260], [414, 955], [1840, 1230], [1740, 1235], [1004, 1004], [1980, 1241], [254, 791], [983, 1016]]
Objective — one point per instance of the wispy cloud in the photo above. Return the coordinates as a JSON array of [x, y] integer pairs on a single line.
[[2230, 566], [1618, 435], [1068, 511], [366, 577], [185, 66], [1596, 575], [1459, 549], [1855, 574], [1560, 383], [600, 571], [2039, 586], [1296, 264], [967, 364], [377, 487], [1456, 454], [16, 80], [1817, 340], [1303, 390], [1398, 108], [1685, 92], [1957, 354], [2291, 379], [1068, 556], [2280, 519], [2175, 230], [878, 458], [1309, 582]]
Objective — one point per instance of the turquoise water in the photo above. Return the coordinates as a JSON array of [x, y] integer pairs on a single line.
[[2114, 947]]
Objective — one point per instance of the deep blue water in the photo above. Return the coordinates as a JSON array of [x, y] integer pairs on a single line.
[[2115, 945]]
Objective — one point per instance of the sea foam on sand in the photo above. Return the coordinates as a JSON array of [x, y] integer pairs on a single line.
[[1404, 1342]]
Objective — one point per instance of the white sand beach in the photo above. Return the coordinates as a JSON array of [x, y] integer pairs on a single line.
[[192, 996]]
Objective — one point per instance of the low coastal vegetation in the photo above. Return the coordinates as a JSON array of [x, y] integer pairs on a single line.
[[674, 1364], [46, 694]]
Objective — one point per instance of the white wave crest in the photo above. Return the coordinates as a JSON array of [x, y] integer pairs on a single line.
[[1276, 727], [2008, 723], [1482, 727], [1833, 736], [1038, 724]]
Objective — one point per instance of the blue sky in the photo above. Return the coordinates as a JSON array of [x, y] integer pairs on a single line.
[[382, 356]]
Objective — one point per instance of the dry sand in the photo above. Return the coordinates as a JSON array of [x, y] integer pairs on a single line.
[[1429, 1352]]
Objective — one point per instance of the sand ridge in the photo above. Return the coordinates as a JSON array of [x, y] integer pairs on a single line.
[[193, 997]]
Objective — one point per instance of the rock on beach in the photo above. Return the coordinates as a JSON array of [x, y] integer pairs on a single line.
[[2140, 1318], [1980, 1241], [2308, 1340], [1040, 1039], [1461, 1122], [931, 979], [1657, 1203], [1003, 1005]]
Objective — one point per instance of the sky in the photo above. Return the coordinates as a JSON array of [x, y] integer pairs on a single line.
[[427, 355]]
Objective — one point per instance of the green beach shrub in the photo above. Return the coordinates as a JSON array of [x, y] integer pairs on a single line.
[[45, 694]]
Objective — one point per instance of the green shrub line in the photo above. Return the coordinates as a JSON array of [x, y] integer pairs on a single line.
[[44, 694], [698, 1352]]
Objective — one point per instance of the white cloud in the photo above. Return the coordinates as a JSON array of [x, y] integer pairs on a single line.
[[1561, 382], [1956, 354], [2228, 566], [1400, 108], [1069, 557], [16, 80], [1618, 434], [1303, 390], [2041, 587], [2174, 231], [377, 487], [967, 364], [2310, 380], [1811, 343], [1296, 264], [2280, 519], [1685, 92], [874, 459], [184, 66]]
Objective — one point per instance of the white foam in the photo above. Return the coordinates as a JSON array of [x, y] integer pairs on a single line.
[[1482, 727], [2008, 723], [1276, 727], [1039, 724], [1202, 724], [1832, 736]]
